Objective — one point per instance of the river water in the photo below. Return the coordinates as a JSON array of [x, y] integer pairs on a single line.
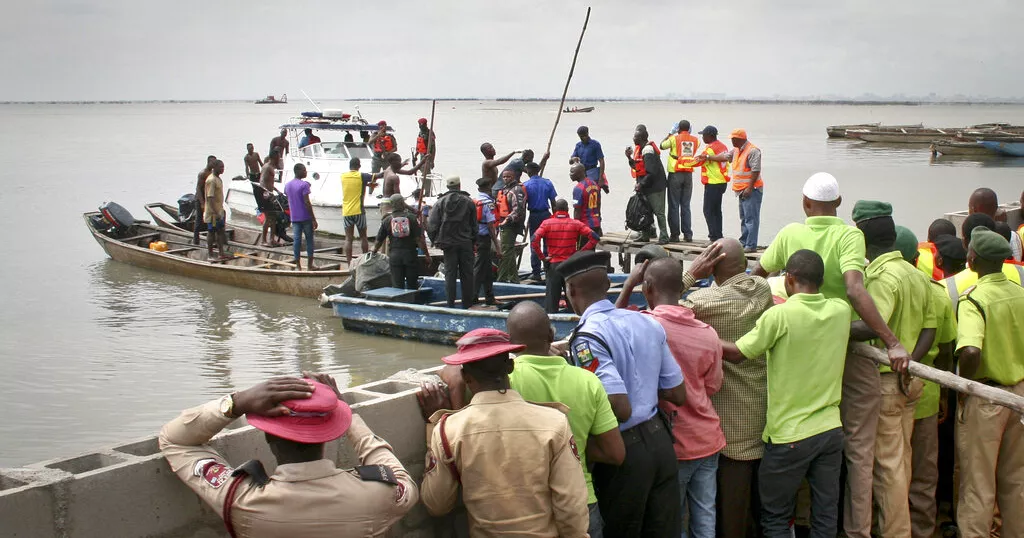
[[93, 352]]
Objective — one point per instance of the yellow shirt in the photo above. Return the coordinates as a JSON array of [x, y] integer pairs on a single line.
[[945, 332], [214, 190], [997, 329], [840, 246], [353, 185], [901, 294]]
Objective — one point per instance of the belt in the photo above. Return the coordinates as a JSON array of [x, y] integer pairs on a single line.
[[634, 434], [590, 167]]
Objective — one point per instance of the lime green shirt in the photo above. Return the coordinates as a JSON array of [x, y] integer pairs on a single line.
[[945, 332], [804, 340], [840, 246], [551, 379], [998, 333], [900, 292]]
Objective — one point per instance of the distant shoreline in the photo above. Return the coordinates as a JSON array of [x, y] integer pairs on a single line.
[[821, 102]]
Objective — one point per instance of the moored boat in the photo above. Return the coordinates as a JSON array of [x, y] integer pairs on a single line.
[[271, 100], [1009, 146], [574, 110], [923, 135], [839, 131], [961, 147]]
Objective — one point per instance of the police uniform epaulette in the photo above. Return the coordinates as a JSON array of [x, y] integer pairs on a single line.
[[376, 473], [254, 470]]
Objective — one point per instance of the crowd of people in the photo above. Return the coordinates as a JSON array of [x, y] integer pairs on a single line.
[[704, 415]]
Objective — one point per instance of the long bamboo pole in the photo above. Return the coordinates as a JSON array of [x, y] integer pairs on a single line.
[[430, 155], [567, 81]]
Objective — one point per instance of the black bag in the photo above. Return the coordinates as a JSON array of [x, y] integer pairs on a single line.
[[639, 213]]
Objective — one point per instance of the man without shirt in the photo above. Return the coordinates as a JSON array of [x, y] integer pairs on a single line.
[[253, 163], [489, 168], [268, 175], [394, 169]]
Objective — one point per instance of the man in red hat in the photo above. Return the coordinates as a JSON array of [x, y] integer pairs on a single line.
[[382, 142], [517, 462], [424, 146], [298, 416]]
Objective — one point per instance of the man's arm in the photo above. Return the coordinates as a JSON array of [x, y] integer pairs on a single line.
[[675, 395], [924, 343], [535, 242], [865, 308], [568, 489], [494, 163], [606, 447], [732, 353], [724, 157], [382, 234], [372, 450], [309, 207], [970, 338], [670, 378], [495, 240], [414, 169]]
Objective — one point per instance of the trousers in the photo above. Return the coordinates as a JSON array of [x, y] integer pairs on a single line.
[[680, 190], [537, 217], [738, 504], [657, 201], [859, 411], [555, 283], [891, 486], [405, 268], [508, 268], [713, 209], [819, 459], [697, 489], [924, 477], [641, 496], [750, 218], [483, 273], [458, 265], [299, 229]]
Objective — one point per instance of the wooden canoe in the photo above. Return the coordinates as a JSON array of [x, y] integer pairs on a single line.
[[961, 147], [839, 131], [578, 110], [249, 266]]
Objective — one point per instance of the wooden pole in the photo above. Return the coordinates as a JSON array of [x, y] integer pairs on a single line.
[[946, 379], [567, 81], [430, 155]]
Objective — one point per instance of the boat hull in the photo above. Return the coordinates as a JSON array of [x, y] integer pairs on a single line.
[[901, 138], [961, 148], [1002, 147]]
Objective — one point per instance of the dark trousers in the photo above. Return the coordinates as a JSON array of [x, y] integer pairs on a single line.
[[405, 268], [458, 265], [555, 285], [783, 467], [483, 270], [641, 496], [198, 224], [680, 189], [537, 217], [738, 505], [713, 209]]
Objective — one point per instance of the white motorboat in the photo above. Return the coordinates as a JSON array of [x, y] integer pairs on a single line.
[[325, 162]]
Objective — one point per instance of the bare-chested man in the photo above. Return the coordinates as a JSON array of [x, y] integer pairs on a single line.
[[253, 162], [270, 213], [394, 168], [489, 168], [280, 143]]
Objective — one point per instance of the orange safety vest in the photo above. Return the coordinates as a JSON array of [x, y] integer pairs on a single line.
[[686, 148], [386, 143], [741, 173], [421, 145], [501, 203], [639, 169], [926, 260], [716, 147]]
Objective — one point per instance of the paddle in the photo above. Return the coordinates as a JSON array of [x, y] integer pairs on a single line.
[[561, 104]]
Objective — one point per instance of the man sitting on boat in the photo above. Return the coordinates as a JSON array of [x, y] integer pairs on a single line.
[[308, 138]]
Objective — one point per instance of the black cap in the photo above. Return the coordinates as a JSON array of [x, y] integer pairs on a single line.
[[483, 181], [950, 247], [710, 130], [584, 261]]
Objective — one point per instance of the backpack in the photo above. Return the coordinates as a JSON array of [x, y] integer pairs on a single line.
[[400, 227], [639, 213]]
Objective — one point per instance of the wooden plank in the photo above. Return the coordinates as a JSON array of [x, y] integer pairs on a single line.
[[139, 237], [180, 250], [267, 260]]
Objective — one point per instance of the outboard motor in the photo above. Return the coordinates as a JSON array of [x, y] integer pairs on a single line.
[[117, 217], [187, 208]]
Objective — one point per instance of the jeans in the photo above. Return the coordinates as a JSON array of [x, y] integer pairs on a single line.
[[713, 209], [738, 506], [680, 189], [555, 284], [750, 218], [298, 229], [783, 467], [405, 268], [508, 269], [596, 529], [537, 217], [657, 201], [698, 481], [458, 265], [483, 272]]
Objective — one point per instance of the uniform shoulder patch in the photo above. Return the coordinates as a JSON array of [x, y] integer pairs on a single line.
[[584, 357], [377, 473], [575, 451], [213, 472]]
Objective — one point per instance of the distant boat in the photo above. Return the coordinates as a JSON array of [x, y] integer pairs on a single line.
[[1011, 147], [577, 109], [271, 100], [839, 131], [926, 135], [961, 147]]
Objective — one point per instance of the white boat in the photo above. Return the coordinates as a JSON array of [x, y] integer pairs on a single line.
[[325, 162]]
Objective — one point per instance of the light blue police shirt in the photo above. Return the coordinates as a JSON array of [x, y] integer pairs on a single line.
[[631, 355]]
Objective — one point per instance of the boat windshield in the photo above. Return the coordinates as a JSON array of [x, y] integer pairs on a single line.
[[336, 150]]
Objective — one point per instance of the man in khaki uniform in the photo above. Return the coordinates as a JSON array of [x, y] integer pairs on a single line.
[[990, 438], [307, 495], [517, 462]]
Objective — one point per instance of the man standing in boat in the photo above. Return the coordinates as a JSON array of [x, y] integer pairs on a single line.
[[588, 153], [403, 234], [271, 215], [213, 213], [253, 163], [452, 228], [511, 206], [382, 143], [199, 224], [280, 143], [394, 169], [488, 245], [489, 168], [354, 186], [303, 219], [540, 199], [562, 236]]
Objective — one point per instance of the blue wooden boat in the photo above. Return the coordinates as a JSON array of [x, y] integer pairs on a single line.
[[1012, 147]]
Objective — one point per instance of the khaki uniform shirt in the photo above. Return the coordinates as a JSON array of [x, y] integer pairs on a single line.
[[309, 499], [518, 464], [214, 208]]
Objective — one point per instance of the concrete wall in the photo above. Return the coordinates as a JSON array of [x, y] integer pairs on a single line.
[[129, 490]]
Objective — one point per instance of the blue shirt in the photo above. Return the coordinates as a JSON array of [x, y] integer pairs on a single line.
[[487, 211], [588, 153], [540, 193], [631, 355]]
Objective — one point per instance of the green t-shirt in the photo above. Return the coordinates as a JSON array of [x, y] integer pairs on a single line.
[[840, 246], [804, 340], [551, 379], [945, 332], [900, 292], [999, 333]]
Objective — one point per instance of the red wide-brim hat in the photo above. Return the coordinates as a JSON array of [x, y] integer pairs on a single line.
[[480, 344], [320, 418]]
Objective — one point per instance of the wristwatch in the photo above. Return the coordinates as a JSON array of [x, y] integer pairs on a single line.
[[227, 406]]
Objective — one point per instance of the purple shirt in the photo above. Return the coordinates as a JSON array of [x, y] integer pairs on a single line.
[[297, 190]]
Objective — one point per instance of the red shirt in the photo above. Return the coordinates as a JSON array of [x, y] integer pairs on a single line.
[[561, 235]]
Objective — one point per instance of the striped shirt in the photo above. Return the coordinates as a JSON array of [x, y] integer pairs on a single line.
[[561, 235], [732, 308]]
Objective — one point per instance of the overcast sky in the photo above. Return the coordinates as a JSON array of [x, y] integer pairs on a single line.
[[234, 49]]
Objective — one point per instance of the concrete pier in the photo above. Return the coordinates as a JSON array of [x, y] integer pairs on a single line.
[[128, 490]]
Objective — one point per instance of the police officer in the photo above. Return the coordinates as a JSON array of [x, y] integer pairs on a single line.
[[629, 353], [990, 438], [298, 417], [517, 462]]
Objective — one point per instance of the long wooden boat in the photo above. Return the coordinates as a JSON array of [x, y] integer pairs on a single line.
[[924, 135], [1010, 147], [248, 266], [839, 131], [577, 110], [961, 147]]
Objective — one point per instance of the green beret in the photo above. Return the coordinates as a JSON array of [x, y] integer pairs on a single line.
[[989, 245], [906, 243], [870, 209]]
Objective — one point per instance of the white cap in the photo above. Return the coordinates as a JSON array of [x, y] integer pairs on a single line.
[[453, 182], [822, 187]]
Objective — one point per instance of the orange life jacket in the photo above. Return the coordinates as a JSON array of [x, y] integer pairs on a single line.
[[386, 143], [926, 260], [502, 206], [741, 173], [421, 145], [639, 169], [686, 149], [723, 168]]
